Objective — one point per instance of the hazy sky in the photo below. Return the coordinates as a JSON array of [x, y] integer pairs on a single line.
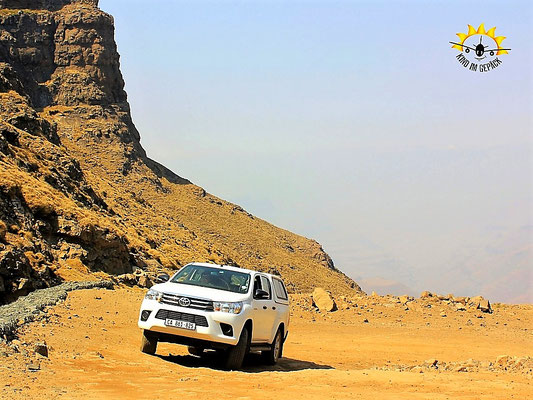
[[348, 122]]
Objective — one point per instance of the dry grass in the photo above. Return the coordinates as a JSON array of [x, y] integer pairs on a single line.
[[170, 223]]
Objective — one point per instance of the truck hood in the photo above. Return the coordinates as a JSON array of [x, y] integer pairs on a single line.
[[201, 292]]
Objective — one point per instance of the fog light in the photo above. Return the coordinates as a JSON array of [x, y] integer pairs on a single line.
[[145, 314], [226, 329]]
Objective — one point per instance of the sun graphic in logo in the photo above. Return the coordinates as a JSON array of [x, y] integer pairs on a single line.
[[473, 42]]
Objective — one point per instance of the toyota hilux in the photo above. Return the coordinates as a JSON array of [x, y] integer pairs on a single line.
[[215, 307]]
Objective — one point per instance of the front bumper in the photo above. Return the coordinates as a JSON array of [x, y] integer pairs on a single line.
[[210, 333]]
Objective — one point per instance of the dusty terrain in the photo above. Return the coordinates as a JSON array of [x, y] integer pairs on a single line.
[[93, 344], [80, 200]]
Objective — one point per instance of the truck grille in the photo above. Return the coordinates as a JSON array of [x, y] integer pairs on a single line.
[[199, 320], [196, 303]]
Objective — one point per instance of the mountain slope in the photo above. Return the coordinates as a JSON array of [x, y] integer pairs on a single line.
[[79, 196]]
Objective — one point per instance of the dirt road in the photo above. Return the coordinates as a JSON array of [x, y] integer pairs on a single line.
[[93, 343]]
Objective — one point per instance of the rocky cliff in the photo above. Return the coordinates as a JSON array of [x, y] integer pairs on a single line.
[[78, 195]]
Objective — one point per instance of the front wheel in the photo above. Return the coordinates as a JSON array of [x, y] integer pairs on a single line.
[[272, 356], [235, 355], [149, 342]]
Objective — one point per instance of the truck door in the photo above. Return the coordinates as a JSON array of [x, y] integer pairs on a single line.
[[264, 312]]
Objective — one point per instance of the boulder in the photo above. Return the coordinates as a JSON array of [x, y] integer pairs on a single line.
[[41, 348], [426, 294], [484, 305], [404, 299], [129, 279], [474, 301], [323, 300], [479, 303], [144, 281]]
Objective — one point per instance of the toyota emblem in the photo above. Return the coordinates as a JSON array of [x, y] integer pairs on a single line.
[[184, 302]]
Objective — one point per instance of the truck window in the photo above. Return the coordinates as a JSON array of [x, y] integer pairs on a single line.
[[257, 283], [265, 285], [279, 288]]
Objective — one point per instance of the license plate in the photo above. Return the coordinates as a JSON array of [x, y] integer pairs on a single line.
[[180, 324]]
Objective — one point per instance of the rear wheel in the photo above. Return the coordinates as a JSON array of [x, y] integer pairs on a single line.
[[235, 355], [274, 354], [149, 342]]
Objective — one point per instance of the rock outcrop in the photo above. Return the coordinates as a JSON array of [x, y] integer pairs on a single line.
[[460, 303], [79, 196]]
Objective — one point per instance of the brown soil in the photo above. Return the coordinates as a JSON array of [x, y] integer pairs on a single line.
[[93, 343]]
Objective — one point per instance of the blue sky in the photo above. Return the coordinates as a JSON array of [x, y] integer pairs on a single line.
[[348, 122]]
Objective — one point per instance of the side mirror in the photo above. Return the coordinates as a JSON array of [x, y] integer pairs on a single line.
[[261, 294], [162, 278]]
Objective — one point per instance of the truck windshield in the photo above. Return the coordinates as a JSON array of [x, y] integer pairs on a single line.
[[216, 278]]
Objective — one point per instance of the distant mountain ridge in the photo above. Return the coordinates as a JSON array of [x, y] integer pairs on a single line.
[[79, 196], [499, 268]]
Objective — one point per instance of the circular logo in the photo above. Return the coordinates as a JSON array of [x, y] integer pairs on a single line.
[[184, 302], [480, 49]]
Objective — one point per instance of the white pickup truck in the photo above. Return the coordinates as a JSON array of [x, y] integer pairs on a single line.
[[210, 306]]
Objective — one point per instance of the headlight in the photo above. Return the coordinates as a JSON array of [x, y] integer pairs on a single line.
[[233, 308], [153, 295]]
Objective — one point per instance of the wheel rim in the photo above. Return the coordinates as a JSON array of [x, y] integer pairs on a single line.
[[277, 346]]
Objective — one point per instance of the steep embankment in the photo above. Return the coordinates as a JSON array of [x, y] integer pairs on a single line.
[[78, 195]]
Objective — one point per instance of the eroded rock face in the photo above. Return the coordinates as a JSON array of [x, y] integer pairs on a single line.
[[62, 53], [66, 57]]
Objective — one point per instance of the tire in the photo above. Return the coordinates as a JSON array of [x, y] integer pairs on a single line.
[[235, 355], [149, 342], [196, 351], [272, 356]]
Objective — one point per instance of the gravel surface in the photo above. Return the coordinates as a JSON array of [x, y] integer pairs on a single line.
[[30, 307]]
